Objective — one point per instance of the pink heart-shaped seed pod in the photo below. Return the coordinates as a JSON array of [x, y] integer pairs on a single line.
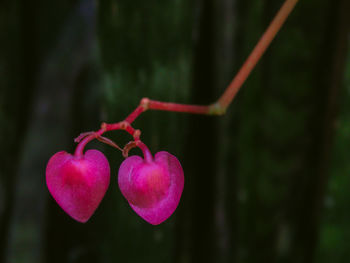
[[152, 188], [78, 184]]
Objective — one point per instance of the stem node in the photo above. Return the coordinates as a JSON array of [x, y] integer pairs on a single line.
[[137, 134], [144, 103], [217, 109]]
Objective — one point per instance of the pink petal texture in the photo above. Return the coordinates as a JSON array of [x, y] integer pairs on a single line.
[[153, 189], [78, 184]]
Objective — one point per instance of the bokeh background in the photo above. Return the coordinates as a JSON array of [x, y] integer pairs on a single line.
[[267, 182]]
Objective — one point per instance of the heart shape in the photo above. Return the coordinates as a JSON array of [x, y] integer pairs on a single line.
[[78, 184], [153, 189]]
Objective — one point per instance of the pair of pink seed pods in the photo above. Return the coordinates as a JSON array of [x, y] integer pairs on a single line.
[[152, 185]]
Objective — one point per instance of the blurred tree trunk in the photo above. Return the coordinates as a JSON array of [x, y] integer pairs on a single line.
[[72, 86], [202, 147], [226, 185], [208, 222], [256, 207], [262, 210], [57, 76], [328, 80], [18, 78]]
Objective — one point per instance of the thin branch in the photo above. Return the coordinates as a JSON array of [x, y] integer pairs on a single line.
[[220, 106], [217, 108]]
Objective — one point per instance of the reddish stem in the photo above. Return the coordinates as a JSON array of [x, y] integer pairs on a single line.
[[79, 151], [231, 91], [123, 125], [127, 148], [135, 113], [217, 108], [168, 106], [146, 152], [147, 104]]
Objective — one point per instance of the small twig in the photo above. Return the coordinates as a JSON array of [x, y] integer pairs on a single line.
[[108, 141]]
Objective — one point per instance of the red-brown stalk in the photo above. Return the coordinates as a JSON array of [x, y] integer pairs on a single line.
[[217, 108]]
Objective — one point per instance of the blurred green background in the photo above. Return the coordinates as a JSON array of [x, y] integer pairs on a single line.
[[267, 182]]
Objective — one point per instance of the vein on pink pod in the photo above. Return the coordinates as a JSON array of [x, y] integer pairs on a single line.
[[78, 183]]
